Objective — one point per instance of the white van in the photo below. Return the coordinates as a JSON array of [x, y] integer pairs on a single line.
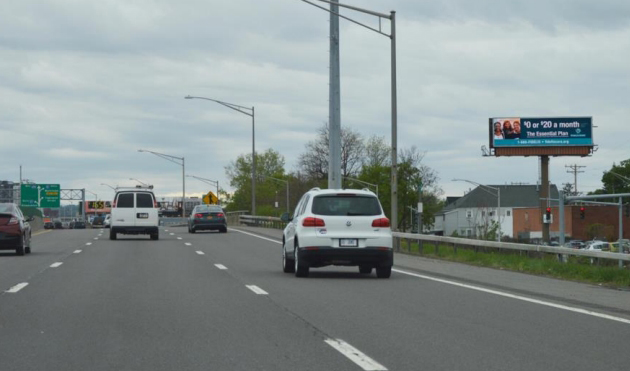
[[134, 211]]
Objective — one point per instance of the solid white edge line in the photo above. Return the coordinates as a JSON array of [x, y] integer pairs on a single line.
[[220, 266], [55, 265], [518, 297], [257, 290], [200, 252], [355, 355], [17, 288], [77, 251], [255, 235], [489, 291]]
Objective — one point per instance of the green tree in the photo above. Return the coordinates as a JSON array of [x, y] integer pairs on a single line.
[[616, 180], [269, 163]]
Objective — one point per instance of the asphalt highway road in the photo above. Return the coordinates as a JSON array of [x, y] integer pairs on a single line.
[[212, 301]]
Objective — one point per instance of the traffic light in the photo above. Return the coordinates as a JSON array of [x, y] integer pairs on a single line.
[[548, 215], [582, 212]]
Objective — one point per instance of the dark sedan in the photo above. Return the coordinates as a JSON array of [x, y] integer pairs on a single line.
[[207, 217], [49, 225], [79, 224], [15, 231]]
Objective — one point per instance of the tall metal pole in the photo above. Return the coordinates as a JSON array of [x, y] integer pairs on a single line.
[[253, 163], [334, 104], [183, 187], [394, 185], [544, 196], [561, 229]]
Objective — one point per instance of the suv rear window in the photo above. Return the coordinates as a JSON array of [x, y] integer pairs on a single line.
[[144, 200], [346, 205], [125, 200]]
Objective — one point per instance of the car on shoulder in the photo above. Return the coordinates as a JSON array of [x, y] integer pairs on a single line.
[[71, 224], [343, 227], [207, 218], [15, 230], [134, 211]]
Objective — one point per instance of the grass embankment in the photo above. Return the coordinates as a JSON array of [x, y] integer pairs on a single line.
[[577, 269]]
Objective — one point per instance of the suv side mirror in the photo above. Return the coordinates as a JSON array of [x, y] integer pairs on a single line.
[[285, 217]]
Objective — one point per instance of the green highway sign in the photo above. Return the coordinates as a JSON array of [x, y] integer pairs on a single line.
[[41, 195]]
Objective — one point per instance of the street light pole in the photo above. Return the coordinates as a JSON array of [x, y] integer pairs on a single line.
[[105, 184], [175, 159], [498, 190], [139, 181], [242, 110], [392, 36]]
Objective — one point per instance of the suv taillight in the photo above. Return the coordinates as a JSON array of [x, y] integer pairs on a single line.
[[13, 220], [380, 223], [198, 216], [313, 222], [220, 215]]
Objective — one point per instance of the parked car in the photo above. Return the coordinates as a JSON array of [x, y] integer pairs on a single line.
[[599, 245], [49, 225], [207, 217], [71, 224], [15, 230], [576, 244], [134, 211], [108, 220], [337, 227]]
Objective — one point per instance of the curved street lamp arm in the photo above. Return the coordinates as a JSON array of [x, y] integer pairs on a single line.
[[235, 107], [350, 19]]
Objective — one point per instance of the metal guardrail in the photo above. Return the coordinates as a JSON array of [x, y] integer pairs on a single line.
[[274, 222], [510, 246]]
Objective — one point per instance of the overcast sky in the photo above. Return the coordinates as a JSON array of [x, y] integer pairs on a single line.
[[84, 84]]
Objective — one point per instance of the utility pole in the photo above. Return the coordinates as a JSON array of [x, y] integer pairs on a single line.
[[575, 169], [334, 104]]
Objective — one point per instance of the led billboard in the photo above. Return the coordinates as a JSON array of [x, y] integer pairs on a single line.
[[514, 132]]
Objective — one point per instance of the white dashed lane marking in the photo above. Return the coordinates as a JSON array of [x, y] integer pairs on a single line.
[[17, 287], [88, 244], [355, 355], [55, 265], [179, 238], [220, 266], [77, 251], [200, 252], [188, 244], [257, 290], [172, 234]]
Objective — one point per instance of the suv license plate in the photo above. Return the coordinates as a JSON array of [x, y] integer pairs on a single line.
[[143, 215], [348, 242]]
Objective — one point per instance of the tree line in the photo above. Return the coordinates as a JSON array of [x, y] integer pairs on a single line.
[[366, 159]]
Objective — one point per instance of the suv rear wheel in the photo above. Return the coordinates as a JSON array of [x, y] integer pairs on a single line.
[[301, 269], [112, 234], [288, 265], [383, 272]]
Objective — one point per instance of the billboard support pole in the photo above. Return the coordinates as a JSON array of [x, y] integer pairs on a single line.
[[544, 194]]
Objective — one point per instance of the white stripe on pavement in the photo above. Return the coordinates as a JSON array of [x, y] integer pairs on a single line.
[[518, 297], [255, 235], [77, 251], [200, 252], [55, 265], [489, 291], [88, 244], [257, 290], [172, 234], [187, 243], [17, 287], [96, 238], [179, 238], [220, 266], [355, 355]]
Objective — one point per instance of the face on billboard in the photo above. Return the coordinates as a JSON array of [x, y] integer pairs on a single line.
[[541, 132]]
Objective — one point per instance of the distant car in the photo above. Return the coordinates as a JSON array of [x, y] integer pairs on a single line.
[[58, 224], [108, 221], [599, 245], [79, 225], [71, 225], [98, 221], [207, 217], [344, 227], [65, 225], [49, 225], [15, 230], [576, 244]]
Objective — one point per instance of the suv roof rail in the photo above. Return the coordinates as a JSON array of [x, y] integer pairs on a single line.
[[315, 189]]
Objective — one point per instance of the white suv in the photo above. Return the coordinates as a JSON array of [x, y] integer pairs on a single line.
[[337, 227], [134, 211]]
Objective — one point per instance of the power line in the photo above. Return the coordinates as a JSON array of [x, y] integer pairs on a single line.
[[575, 169]]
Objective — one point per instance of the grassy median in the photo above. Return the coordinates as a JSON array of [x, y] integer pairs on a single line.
[[605, 272]]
